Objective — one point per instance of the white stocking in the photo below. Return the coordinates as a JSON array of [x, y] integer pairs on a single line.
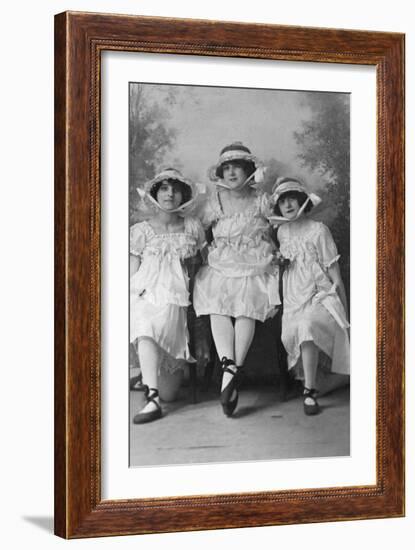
[[244, 334], [224, 337], [149, 362], [309, 357]]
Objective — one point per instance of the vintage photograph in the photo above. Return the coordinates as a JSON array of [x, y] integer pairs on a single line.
[[239, 251]]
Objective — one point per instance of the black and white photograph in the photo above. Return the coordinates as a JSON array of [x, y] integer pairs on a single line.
[[239, 254], [199, 198]]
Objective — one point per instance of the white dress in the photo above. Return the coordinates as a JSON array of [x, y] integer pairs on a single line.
[[159, 290], [312, 308], [240, 278]]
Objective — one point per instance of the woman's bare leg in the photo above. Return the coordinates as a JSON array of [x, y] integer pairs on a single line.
[[169, 384]]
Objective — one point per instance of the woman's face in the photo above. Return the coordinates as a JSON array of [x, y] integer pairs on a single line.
[[233, 174], [289, 206], [169, 195]]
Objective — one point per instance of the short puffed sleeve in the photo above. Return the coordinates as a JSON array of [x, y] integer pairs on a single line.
[[209, 210], [195, 228], [326, 247], [137, 239]]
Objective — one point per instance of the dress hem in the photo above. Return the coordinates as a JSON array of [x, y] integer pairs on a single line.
[[250, 315], [292, 363], [168, 361]]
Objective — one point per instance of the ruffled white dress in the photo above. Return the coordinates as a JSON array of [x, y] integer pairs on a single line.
[[240, 278], [159, 290], [312, 308]]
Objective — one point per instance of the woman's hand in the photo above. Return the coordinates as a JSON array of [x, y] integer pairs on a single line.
[[204, 253], [336, 278], [281, 260]]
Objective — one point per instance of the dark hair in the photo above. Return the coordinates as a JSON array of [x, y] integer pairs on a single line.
[[185, 189], [247, 165], [301, 198]]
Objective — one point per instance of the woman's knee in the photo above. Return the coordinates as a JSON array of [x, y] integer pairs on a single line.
[[169, 384]]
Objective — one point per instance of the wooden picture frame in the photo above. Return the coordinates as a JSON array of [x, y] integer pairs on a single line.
[[80, 38]]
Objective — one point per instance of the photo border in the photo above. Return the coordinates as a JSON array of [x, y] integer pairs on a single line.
[[79, 40]]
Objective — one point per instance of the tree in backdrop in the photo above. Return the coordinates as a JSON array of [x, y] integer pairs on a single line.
[[150, 137], [325, 149]]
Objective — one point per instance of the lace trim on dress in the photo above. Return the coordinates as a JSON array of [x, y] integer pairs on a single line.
[[190, 228], [304, 246], [153, 232], [331, 262], [285, 234], [256, 207], [179, 243], [244, 243]]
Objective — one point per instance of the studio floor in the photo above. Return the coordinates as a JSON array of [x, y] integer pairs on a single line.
[[262, 428]]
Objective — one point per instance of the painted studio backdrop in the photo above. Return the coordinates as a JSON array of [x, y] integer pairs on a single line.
[[297, 133]]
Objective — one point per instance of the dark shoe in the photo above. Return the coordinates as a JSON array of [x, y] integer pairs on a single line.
[[314, 408], [144, 417], [136, 383], [229, 406]]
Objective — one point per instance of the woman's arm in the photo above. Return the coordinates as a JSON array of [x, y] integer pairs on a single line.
[[134, 264], [335, 276]]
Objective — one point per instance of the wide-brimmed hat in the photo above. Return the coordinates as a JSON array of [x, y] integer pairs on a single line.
[[285, 185], [235, 151], [169, 174]]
